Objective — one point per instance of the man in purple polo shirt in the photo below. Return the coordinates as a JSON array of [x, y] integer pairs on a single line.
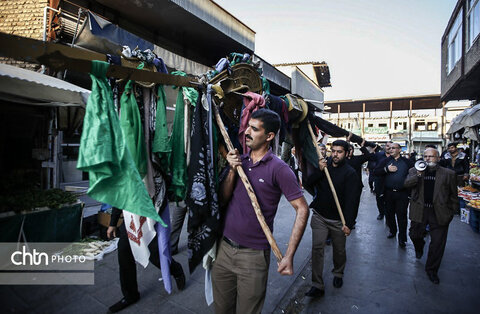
[[240, 271]]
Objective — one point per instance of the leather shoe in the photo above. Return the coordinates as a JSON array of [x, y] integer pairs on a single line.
[[120, 305], [380, 217], [402, 244], [390, 236], [315, 293], [337, 282], [433, 278], [177, 271], [418, 254]]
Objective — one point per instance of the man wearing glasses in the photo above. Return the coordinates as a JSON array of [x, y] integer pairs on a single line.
[[433, 202], [394, 169]]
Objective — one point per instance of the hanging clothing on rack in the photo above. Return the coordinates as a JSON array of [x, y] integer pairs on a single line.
[[202, 198], [172, 150], [130, 122], [103, 153], [279, 105], [251, 102]]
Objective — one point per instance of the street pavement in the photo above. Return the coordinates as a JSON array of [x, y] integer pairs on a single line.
[[379, 277]]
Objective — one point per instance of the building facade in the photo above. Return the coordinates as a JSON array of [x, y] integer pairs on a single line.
[[460, 51], [411, 121]]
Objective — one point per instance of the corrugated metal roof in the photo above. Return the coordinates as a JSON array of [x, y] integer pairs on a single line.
[[40, 88]]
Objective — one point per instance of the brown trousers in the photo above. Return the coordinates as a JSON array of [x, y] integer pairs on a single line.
[[321, 227], [239, 279]]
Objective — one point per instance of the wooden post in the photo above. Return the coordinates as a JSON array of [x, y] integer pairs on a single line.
[[363, 120], [338, 115], [410, 126], [249, 188], [320, 157], [391, 107], [444, 119]]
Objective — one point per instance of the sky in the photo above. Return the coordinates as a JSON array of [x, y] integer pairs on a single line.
[[374, 48]]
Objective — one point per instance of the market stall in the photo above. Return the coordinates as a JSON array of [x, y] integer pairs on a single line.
[[469, 198], [32, 208]]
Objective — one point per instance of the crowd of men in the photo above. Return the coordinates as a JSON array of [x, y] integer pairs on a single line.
[[240, 270]]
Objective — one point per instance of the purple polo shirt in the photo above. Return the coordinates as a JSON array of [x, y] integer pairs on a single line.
[[270, 178]]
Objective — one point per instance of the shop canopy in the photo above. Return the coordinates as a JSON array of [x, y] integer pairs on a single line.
[[467, 120], [32, 88]]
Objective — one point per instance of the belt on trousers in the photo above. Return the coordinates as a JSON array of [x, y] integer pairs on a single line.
[[396, 190], [234, 244]]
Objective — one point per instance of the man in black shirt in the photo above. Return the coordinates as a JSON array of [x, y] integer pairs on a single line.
[[458, 162], [325, 218], [394, 169], [378, 180], [433, 202], [356, 162]]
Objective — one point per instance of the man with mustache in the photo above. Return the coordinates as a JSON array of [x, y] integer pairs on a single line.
[[394, 170], [240, 271], [325, 218], [433, 202]]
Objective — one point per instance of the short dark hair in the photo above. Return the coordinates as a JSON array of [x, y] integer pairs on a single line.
[[430, 146], [269, 118], [452, 144], [341, 143]]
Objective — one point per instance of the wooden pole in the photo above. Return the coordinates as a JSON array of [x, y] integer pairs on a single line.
[[320, 157], [363, 120], [410, 127], [249, 188]]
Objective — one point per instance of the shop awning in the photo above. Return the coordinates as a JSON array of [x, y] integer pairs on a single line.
[[32, 88], [470, 117]]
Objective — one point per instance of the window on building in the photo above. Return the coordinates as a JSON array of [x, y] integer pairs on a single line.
[[455, 42], [382, 125], [420, 126], [473, 21], [370, 125], [400, 126], [432, 126]]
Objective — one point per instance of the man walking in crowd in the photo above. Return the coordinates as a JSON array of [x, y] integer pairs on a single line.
[[128, 268], [240, 271], [356, 162], [325, 218], [456, 161], [378, 180], [394, 169], [433, 202]]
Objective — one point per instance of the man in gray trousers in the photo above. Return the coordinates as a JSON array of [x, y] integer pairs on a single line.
[[326, 219]]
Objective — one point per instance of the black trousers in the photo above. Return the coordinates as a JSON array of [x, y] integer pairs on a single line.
[[438, 239], [128, 267], [396, 204], [380, 203], [371, 179]]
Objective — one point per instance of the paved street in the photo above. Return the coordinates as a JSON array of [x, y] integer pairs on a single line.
[[382, 278], [379, 278]]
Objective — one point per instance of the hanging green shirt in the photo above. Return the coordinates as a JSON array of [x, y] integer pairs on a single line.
[[114, 178], [171, 150], [132, 128]]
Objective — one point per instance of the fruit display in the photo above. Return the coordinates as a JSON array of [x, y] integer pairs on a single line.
[[474, 204], [475, 174], [471, 196], [468, 193]]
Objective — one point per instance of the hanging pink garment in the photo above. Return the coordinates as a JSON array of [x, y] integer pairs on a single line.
[[252, 102]]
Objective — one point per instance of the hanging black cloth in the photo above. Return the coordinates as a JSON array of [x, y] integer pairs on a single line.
[[202, 199]]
